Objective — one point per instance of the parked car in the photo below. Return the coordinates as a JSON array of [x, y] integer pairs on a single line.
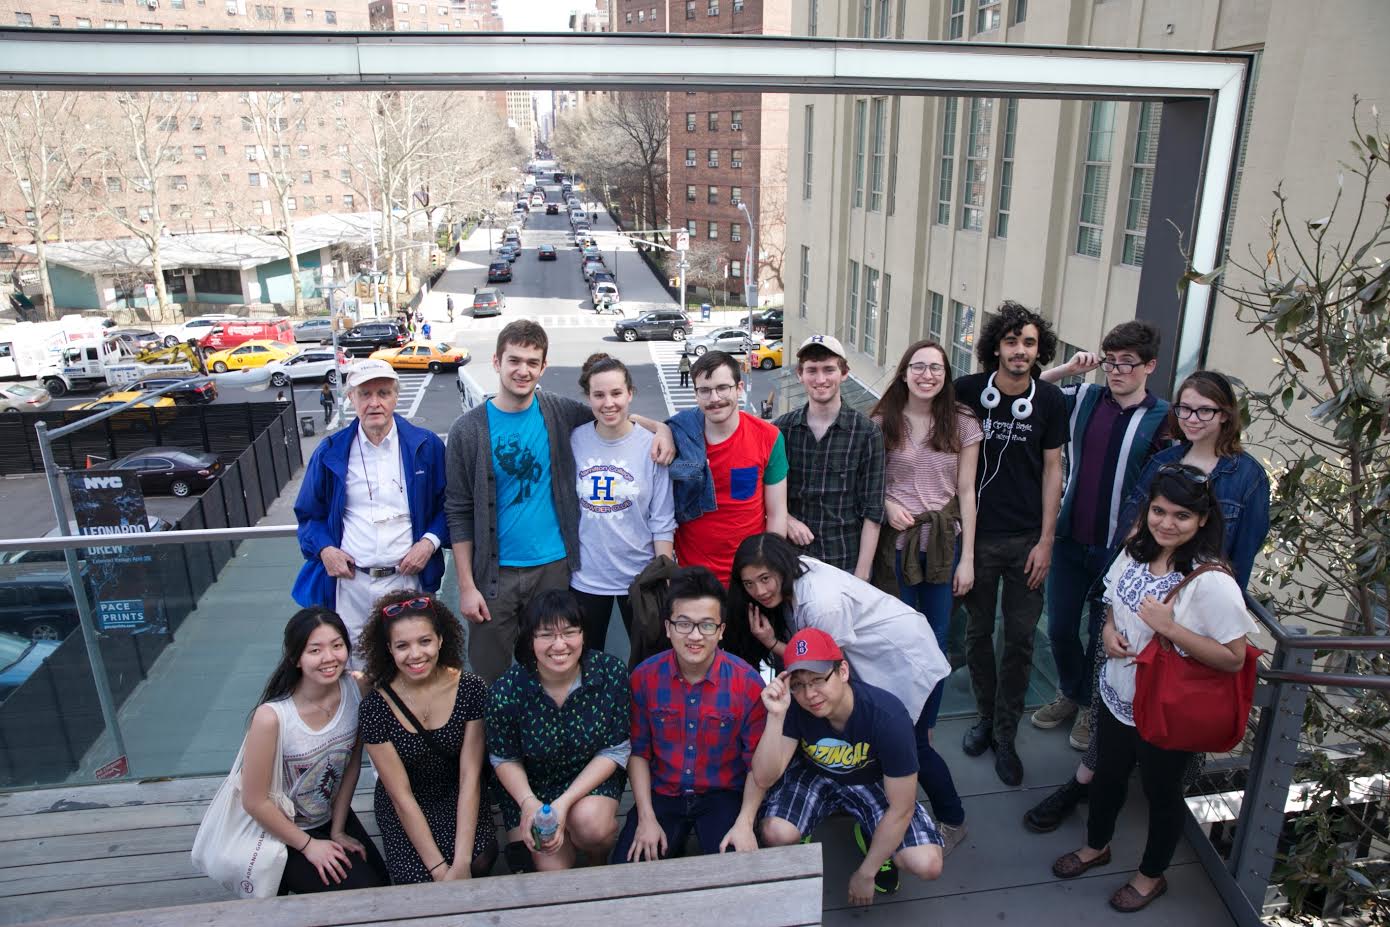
[[256, 353], [175, 470], [231, 334], [768, 322], [731, 340], [367, 337], [23, 397], [499, 272], [590, 267], [50, 556], [605, 291], [538, 199], [602, 276], [20, 658], [509, 252], [120, 397], [315, 330], [659, 323], [552, 209], [546, 253], [195, 329], [592, 252], [766, 356], [135, 339], [488, 302], [316, 364], [190, 394], [423, 355], [36, 601]]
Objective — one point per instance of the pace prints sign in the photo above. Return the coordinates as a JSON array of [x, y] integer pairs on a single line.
[[109, 503]]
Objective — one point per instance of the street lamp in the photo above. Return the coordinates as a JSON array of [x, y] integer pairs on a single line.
[[750, 290]]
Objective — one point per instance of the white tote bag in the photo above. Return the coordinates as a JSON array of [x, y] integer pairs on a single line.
[[232, 848]]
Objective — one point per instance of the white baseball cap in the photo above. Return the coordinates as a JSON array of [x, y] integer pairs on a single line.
[[369, 369], [829, 342]]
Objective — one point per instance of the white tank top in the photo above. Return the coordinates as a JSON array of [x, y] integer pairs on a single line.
[[314, 761]]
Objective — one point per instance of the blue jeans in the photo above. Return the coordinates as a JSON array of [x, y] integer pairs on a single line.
[[935, 777], [1076, 568], [709, 815], [933, 600]]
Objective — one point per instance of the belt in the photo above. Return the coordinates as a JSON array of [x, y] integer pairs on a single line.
[[376, 572]]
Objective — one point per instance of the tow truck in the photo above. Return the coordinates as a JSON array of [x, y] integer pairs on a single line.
[[105, 363]]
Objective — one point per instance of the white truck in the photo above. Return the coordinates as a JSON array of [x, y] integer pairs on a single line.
[[100, 363], [27, 349]]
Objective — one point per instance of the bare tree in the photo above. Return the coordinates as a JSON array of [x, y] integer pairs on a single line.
[[619, 146], [43, 145]]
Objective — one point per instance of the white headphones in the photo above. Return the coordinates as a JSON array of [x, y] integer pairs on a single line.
[[1022, 407]]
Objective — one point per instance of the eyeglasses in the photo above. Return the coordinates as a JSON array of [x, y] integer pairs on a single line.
[[684, 626], [1184, 473], [723, 391], [413, 605], [568, 635], [920, 368], [1200, 413], [816, 682], [1118, 366]]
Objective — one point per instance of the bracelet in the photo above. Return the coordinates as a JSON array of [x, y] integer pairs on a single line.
[[308, 839], [435, 866]]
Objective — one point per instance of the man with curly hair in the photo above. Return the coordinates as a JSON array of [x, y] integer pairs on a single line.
[[1019, 493]]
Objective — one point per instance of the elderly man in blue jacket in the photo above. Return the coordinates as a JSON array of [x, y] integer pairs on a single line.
[[371, 508]]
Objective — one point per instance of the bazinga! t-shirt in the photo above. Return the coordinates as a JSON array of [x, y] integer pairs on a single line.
[[877, 742]]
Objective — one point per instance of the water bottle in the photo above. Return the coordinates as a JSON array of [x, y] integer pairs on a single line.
[[544, 826]]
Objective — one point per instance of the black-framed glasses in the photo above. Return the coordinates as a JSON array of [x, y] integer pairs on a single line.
[[1200, 413], [684, 626], [723, 391], [1184, 473], [815, 682], [412, 605], [1120, 367], [920, 368]]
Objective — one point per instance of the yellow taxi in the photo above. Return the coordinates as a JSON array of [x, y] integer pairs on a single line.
[[766, 356], [110, 400], [423, 355], [248, 354], [138, 416]]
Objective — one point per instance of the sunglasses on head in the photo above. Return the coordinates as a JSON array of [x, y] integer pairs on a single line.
[[411, 605], [1197, 478]]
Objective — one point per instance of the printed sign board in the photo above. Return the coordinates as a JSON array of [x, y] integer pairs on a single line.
[[109, 503]]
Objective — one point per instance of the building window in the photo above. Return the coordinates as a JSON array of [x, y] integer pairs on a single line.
[[1095, 179], [866, 12], [712, 122], [306, 178], [861, 110], [736, 121], [200, 152], [348, 201], [962, 338], [807, 159], [690, 193], [254, 179], [735, 231], [1020, 11], [712, 195], [641, 16], [692, 227], [330, 17], [55, 20], [880, 152], [738, 6], [23, 19], [735, 196], [805, 281], [870, 309], [1006, 171], [893, 160], [946, 171], [882, 20], [884, 296], [735, 268], [1141, 180], [287, 13], [252, 153], [690, 122], [812, 14], [690, 157], [629, 17], [689, 9], [714, 231], [937, 318], [713, 8], [714, 157], [981, 123], [308, 16], [955, 22], [852, 303], [736, 158], [986, 15], [291, 203], [83, 22]]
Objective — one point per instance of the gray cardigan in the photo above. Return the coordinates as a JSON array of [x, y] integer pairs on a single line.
[[470, 501]]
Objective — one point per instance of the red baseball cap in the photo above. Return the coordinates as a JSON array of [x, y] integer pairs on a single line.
[[811, 649]]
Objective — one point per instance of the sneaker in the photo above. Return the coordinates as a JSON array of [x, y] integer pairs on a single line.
[[952, 834], [886, 879], [1080, 738], [979, 738], [1048, 814], [1007, 766], [1054, 712]]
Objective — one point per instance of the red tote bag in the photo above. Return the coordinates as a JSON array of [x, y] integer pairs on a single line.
[[1182, 704]]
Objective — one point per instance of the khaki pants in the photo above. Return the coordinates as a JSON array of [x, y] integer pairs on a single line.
[[491, 645]]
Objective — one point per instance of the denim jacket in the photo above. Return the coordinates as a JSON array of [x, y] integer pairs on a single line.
[[1241, 486], [692, 482]]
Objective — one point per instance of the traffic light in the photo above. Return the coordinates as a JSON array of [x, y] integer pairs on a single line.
[[434, 260]]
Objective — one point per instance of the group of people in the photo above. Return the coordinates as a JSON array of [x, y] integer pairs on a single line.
[[787, 588]]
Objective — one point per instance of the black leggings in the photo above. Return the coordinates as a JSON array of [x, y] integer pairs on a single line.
[[1160, 773], [598, 611], [301, 878]]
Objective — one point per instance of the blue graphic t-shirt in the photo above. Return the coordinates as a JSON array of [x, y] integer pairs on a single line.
[[528, 533], [877, 741]]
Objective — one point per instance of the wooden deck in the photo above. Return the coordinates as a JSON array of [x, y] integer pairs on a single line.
[[124, 847]]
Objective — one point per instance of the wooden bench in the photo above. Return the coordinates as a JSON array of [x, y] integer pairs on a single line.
[[119, 854]]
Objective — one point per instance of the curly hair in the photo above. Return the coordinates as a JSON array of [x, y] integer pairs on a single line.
[[1010, 320], [374, 646]]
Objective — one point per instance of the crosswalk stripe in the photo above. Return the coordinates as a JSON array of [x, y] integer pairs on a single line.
[[666, 356]]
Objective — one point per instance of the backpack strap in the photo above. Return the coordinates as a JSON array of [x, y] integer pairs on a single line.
[[428, 735]]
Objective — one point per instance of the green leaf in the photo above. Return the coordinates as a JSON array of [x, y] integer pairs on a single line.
[[1287, 398]]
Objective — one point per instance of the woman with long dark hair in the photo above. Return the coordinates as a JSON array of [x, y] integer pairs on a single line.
[[1207, 415], [776, 592], [929, 487], [423, 726], [308, 714], [1180, 529]]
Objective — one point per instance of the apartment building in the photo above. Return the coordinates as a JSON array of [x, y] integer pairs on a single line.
[[436, 16], [909, 217], [727, 151]]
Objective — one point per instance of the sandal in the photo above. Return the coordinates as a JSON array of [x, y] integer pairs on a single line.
[[1072, 865], [1128, 899]]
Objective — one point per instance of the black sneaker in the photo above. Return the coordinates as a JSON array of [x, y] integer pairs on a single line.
[[886, 879], [1007, 766], [1048, 814], [979, 738]]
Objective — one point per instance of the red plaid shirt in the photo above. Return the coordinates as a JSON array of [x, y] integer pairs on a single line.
[[696, 738]]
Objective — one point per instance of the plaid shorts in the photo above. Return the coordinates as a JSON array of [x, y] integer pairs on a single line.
[[805, 797]]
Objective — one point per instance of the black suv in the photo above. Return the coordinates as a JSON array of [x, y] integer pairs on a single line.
[[768, 322], [659, 323], [190, 394], [367, 337]]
